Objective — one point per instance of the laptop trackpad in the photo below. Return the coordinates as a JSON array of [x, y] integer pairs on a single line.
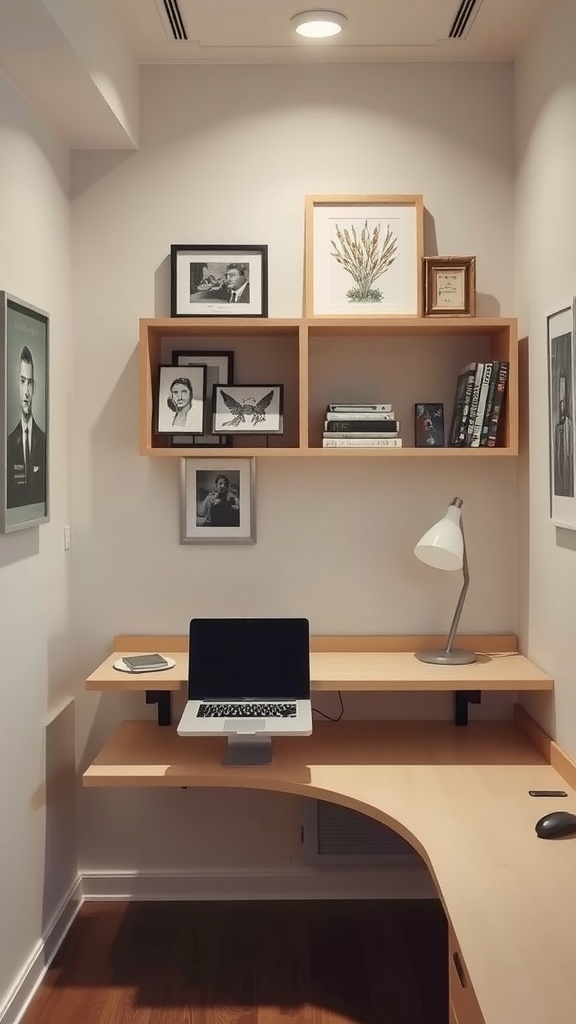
[[233, 725]]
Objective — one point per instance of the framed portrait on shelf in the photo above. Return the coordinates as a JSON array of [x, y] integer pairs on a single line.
[[449, 285], [219, 280], [180, 399], [561, 372], [429, 425], [248, 409], [219, 370], [363, 255], [217, 503], [24, 396]]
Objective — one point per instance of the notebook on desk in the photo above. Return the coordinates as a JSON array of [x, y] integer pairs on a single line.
[[248, 677]]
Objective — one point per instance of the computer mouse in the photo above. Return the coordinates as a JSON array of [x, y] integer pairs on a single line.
[[556, 824]]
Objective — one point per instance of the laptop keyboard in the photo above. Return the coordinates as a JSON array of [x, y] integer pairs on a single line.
[[253, 709]]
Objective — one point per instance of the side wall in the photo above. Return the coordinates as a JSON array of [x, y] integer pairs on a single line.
[[546, 256], [37, 772], [227, 156]]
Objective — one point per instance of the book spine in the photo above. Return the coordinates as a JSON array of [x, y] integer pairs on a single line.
[[334, 417], [361, 433], [462, 418], [489, 404], [381, 426], [375, 442], [477, 428], [497, 407], [360, 407], [474, 404]]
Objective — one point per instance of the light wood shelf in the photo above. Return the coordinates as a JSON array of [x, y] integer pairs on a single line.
[[350, 664], [320, 360]]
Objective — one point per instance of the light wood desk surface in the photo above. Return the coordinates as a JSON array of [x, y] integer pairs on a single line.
[[460, 796]]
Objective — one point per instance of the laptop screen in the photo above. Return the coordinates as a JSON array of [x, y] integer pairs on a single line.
[[232, 659]]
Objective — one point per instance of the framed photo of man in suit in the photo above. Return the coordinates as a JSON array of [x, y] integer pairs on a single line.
[[24, 339], [219, 280]]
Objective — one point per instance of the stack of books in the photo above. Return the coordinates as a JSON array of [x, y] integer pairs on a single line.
[[361, 425], [478, 405]]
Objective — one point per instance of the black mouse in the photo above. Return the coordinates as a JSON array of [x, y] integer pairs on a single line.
[[556, 824]]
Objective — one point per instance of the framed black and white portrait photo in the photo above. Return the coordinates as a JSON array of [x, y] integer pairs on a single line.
[[24, 335], [561, 408], [219, 280], [180, 400], [217, 501], [219, 370], [248, 409]]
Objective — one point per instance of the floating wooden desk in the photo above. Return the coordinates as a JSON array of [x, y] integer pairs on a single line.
[[460, 797], [350, 664]]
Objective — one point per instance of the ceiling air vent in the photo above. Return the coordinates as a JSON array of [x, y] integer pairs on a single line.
[[172, 20], [465, 15]]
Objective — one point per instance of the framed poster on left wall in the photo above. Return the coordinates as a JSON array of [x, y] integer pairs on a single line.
[[24, 399]]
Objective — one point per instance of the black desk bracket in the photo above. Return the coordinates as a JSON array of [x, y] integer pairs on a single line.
[[462, 698], [163, 698]]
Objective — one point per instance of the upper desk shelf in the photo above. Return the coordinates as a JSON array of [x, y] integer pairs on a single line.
[[401, 360]]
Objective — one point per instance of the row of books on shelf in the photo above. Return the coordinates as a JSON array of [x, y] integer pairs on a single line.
[[478, 404], [361, 425]]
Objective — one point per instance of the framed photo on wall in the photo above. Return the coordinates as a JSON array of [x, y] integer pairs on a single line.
[[561, 375], [219, 370], [24, 395], [219, 280], [363, 255], [248, 409], [217, 501], [449, 284], [180, 399]]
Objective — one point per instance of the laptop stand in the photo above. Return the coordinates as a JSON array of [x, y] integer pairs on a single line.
[[248, 750]]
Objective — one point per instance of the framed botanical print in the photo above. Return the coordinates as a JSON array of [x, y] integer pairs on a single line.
[[362, 255], [24, 398]]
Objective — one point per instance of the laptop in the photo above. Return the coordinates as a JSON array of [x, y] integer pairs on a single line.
[[248, 678]]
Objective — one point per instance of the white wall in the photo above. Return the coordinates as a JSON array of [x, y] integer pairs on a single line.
[[37, 773], [546, 257], [227, 155]]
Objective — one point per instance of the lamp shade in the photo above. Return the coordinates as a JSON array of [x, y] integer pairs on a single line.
[[442, 546]]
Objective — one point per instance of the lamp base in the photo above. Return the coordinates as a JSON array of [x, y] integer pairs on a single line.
[[440, 657]]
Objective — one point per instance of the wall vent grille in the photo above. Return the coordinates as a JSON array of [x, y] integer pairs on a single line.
[[337, 835], [465, 15], [172, 20]]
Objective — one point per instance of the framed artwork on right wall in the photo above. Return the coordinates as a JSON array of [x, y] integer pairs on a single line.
[[561, 416]]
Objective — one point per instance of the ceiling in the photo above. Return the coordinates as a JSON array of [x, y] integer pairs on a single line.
[[259, 31]]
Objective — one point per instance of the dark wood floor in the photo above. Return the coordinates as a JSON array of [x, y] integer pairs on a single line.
[[302, 962]]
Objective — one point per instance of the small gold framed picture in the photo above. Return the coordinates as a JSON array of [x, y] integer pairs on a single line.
[[449, 285]]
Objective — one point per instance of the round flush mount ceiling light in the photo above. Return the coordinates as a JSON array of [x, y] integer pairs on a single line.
[[318, 24]]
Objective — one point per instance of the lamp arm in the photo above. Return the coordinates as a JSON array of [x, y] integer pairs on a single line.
[[462, 597]]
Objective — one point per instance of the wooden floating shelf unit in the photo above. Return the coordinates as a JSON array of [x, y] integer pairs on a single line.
[[401, 360]]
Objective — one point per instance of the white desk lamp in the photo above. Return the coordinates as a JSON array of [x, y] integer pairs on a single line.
[[444, 547]]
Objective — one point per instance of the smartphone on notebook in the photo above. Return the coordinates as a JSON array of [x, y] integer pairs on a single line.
[[145, 663]]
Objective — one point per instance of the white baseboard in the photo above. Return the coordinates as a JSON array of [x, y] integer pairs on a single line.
[[304, 883], [37, 964]]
